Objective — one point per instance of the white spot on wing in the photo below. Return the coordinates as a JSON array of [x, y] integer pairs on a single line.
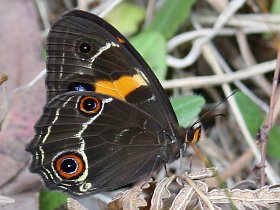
[[142, 75], [85, 187], [107, 46]]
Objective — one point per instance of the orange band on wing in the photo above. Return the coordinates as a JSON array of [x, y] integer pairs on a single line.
[[121, 87]]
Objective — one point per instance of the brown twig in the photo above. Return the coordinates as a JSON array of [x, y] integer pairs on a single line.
[[264, 130]]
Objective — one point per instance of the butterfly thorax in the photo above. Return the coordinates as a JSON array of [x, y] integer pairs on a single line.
[[171, 150]]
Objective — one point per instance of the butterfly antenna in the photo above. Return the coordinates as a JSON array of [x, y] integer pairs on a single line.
[[194, 133], [209, 118], [218, 104]]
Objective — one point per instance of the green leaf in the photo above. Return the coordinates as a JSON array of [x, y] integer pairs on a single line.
[[254, 119], [51, 200], [126, 17], [273, 146], [152, 47], [275, 8], [187, 108], [250, 111], [170, 16]]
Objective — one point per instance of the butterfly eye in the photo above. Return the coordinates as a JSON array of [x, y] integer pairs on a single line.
[[69, 166], [85, 47], [89, 105], [79, 86], [193, 134]]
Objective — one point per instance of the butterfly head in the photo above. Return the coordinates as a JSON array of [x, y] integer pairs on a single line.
[[193, 133]]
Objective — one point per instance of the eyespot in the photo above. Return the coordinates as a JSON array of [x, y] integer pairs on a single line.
[[79, 86], [89, 105], [69, 165], [85, 47]]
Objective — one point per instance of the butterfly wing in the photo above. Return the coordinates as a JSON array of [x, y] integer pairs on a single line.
[[87, 142], [107, 121], [87, 53]]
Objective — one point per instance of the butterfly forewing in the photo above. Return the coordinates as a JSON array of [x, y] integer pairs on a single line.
[[110, 65]]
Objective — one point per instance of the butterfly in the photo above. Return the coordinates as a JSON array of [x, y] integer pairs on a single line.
[[107, 121]]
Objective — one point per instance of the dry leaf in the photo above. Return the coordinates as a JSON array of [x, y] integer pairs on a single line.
[[246, 198], [73, 204], [5, 200], [194, 189], [130, 199], [183, 198], [203, 174], [161, 192]]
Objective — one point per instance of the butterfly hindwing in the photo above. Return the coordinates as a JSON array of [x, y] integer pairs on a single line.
[[112, 150]]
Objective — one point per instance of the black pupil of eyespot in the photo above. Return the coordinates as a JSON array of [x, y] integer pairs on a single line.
[[85, 47], [89, 104], [69, 165], [77, 86]]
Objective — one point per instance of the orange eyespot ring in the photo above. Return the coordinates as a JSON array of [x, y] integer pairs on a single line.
[[89, 105], [69, 166]]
